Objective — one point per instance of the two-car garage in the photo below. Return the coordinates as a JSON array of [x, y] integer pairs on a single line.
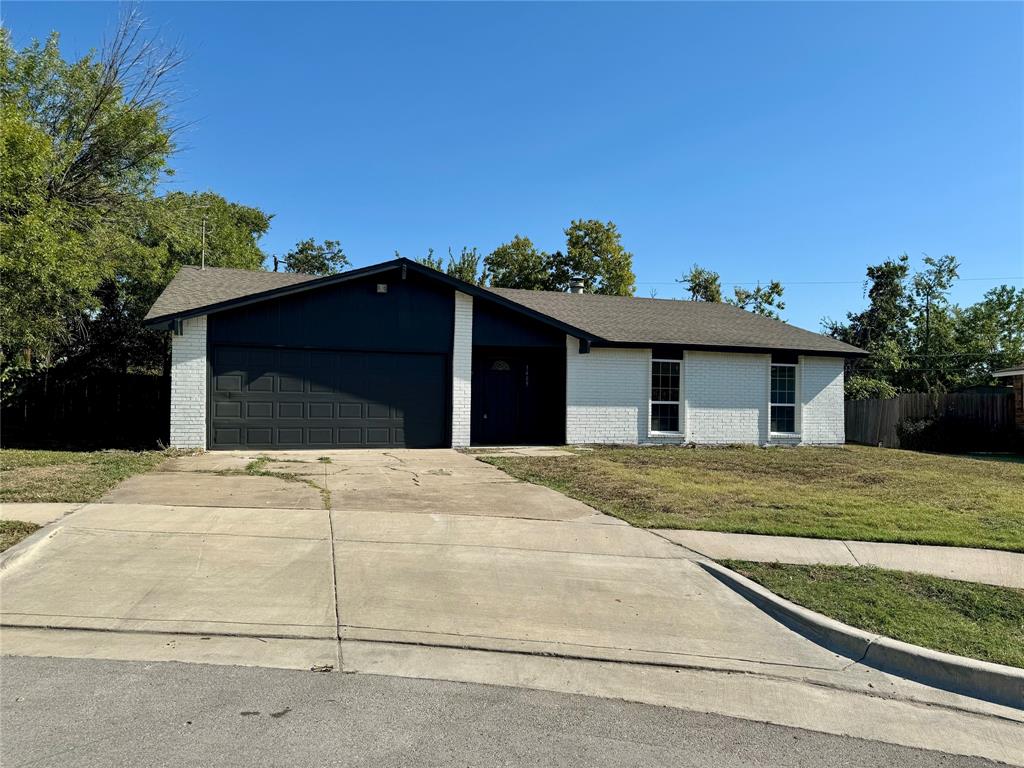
[[355, 363], [298, 398]]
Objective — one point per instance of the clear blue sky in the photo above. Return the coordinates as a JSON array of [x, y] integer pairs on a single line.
[[790, 141]]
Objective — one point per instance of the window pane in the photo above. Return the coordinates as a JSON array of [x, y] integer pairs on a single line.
[[783, 418], [783, 384], [664, 417], [664, 381]]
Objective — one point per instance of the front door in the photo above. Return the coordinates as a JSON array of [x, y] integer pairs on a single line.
[[496, 397]]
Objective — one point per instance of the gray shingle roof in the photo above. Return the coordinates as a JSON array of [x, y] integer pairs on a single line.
[[617, 319], [193, 288], [628, 319]]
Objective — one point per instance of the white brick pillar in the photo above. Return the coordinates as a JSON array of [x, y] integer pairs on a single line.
[[188, 385], [462, 370]]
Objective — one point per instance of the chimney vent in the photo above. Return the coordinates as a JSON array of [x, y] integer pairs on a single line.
[[576, 285]]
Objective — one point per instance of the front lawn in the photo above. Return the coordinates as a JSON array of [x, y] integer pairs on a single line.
[[959, 617], [854, 492], [13, 531], [68, 476]]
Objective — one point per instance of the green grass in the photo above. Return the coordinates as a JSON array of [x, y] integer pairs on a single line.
[[13, 531], [854, 492], [975, 620], [68, 476]]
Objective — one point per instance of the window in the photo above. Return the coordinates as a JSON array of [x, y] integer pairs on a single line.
[[783, 398], [665, 395]]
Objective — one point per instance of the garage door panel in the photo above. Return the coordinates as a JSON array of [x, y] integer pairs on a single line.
[[264, 397], [321, 410]]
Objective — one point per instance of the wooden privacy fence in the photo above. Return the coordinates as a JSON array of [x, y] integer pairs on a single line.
[[875, 422], [94, 410]]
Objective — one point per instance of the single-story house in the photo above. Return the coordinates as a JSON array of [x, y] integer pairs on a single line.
[[401, 355]]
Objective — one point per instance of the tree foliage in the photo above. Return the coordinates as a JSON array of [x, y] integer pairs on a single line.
[[517, 264], [706, 285], [595, 255], [703, 284], [312, 258], [466, 266], [918, 341], [86, 244]]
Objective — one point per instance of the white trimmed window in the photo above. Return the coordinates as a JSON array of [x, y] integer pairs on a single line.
[[665, 391], [783, 399]]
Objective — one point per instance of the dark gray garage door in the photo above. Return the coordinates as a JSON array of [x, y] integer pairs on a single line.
[[293, 398]]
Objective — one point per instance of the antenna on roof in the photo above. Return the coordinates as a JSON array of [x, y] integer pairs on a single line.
[[203, 263]]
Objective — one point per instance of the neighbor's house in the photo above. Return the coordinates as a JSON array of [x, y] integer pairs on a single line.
[[398, 354], [1016, 380]]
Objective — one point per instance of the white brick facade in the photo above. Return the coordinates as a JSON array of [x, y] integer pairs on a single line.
[[606, 394], [820, 383], [462, 370], [726, 397], [188, 385]]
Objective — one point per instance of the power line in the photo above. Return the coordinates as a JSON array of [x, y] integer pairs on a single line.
[[817, 282]]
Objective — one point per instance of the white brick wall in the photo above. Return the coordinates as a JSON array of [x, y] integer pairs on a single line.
[[462, 370], [188, 385], [821, 397], [726, 397], [606, 394]]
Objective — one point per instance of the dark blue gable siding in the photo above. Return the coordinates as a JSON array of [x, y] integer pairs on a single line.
[[414, 315], [495, 326]]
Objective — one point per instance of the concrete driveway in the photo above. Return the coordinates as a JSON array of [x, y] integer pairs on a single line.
[[426, 547], [422, 564]]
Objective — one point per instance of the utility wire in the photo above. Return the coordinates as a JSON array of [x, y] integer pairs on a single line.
[[786, 283]]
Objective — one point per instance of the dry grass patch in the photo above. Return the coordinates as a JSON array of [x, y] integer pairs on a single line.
[[853, 492], [13, 531], [68, 476]]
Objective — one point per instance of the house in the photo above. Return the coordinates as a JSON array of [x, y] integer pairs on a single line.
[[1016, 380], [398, 354]]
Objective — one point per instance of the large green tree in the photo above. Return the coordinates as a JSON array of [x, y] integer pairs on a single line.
[[83, 145], [917, 340], [86, 244], [312, 258], [703, 284], [595, 255], [517, 264]]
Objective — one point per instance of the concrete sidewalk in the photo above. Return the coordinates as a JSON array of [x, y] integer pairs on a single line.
[[985, 566]]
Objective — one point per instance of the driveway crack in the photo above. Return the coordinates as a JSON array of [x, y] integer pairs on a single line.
[[337, 601]]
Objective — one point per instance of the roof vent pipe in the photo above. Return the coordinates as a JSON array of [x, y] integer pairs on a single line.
[[576, 285]]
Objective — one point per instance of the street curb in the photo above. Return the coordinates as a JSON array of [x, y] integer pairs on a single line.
[[8, 556], [984, 680]]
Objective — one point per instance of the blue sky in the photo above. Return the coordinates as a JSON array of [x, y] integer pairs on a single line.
[[770, 140]]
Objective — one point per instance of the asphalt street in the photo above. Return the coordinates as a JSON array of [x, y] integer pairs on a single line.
[[72, 712]]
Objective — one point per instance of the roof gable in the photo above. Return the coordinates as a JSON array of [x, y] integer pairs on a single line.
[[611, 320]]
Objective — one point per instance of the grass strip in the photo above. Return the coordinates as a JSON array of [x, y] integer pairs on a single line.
[[975, 620]]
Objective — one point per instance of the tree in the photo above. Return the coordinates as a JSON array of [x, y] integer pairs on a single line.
[[989, 335], [83, 146], [517, 264], [312, 258], [466, 267], [881, 330], [706, 285], [430, 260], [703, 284], [933, 321], [594, 254], [763, 300]]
